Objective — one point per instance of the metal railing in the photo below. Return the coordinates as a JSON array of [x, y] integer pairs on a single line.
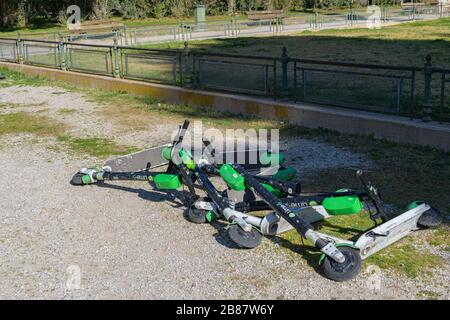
[[89, 58], [417, 92], [183, 31], [240, 74], [164, 66], [8, 50]]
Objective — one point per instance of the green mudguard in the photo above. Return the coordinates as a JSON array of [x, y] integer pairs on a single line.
[[342, 205], [165, 153], [166, 181], [286, 174]]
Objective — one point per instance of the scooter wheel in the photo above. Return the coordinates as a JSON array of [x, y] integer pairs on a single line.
[[343, 271], [197, 215], [430, 218], [77, 179], [244, 239]]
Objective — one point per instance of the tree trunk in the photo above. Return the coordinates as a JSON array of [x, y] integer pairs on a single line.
[[231, 6]]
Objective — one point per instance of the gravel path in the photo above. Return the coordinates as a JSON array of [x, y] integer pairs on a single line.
[[130, 242]]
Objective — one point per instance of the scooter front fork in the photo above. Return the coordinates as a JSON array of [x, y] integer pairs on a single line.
[[302, 226], [220, 204]]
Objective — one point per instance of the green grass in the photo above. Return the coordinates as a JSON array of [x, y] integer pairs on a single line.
[[67, 111], [428, 295], [21, 122], [440, 238], [403, 257], [403, 44], [17, 79], [94, 146], [122, 106]]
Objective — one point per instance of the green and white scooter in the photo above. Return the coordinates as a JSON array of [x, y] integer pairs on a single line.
[[341, 259], [143, 166]]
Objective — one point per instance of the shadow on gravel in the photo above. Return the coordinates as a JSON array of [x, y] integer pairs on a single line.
[[307, 252], [175, 199], [302, 251]]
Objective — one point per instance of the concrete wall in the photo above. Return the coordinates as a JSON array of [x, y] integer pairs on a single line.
[[394, 128]]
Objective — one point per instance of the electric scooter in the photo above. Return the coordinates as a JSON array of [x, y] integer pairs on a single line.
[[341, 259]]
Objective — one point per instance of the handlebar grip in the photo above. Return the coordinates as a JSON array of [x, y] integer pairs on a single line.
[[290, 188], [185, 124], [359, 174]]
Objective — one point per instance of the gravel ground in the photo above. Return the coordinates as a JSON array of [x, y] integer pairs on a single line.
[[128, 241]]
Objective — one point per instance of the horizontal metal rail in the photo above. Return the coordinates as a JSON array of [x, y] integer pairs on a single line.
[[275, 79]]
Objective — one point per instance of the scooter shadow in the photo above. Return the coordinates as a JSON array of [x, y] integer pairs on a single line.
[[175, 198], [221, 236], [307, 252]]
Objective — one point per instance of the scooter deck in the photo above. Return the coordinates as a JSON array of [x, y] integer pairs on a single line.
[[389, 232], [138, 161]]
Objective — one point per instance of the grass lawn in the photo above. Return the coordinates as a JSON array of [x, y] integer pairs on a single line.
[[404, 44]]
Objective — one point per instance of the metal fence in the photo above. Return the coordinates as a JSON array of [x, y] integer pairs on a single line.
[[379, 88], [89, 58], [241, 74], [182, 31], [409, 91], [41, 53], [8, 50], [163, 66]]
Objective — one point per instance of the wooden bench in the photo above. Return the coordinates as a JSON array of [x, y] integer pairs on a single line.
[[265, 15]]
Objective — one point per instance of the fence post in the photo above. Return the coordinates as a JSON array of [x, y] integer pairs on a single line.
[[284, 72], [316, 21], [233, 33], [19, 48], [187, 69], [125, 31], [62, 54], [182, 30], [116, 57], [428, 73], [384, 14]]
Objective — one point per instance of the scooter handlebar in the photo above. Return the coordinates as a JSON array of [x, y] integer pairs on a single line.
[[372, 193], [185, 124]]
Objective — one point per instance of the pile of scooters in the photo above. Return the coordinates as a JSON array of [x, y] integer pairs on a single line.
[[267, 186]]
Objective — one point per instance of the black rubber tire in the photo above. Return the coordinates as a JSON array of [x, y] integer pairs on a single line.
[[244, 239], [197, 215], [430, 219], [343, 271], [77, 179]]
